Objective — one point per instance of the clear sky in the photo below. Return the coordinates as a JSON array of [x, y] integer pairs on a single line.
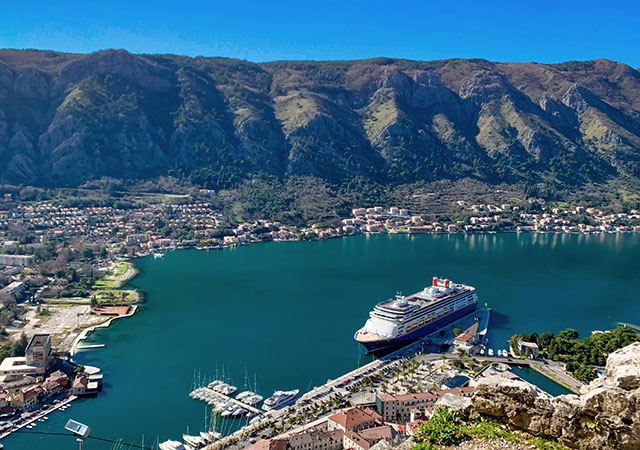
[[515, 30]]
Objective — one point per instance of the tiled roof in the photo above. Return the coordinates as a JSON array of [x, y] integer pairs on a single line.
[[351, 417]]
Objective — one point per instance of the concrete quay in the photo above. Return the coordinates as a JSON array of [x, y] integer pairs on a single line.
[[41, 413]]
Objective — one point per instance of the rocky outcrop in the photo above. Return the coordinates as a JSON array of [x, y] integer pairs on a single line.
[[31, 84], [606, 416]]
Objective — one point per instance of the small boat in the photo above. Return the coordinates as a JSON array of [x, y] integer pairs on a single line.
[[220, 407], [171, 445], [253, 399], [280, 399], [158, 255], [490, 352], [255, 420]]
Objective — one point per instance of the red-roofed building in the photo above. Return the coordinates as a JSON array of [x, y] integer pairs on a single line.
[[59, 377], [269, 444], [354, 419], [316, 440], [7, 411], [79, 386], [377, 434], [354, 441], [27, 397]]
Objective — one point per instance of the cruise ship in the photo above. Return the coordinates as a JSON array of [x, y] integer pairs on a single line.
[[397, 322], [279, 399]]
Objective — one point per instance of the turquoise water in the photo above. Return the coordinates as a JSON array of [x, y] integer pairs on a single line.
[[287, 313], [541, 381]]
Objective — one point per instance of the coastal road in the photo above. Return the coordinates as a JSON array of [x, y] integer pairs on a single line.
[[551, 369]]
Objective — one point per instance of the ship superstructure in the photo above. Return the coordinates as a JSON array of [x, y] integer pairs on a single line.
[[396, 322]]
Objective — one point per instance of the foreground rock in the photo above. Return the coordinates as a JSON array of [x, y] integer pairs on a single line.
[[607, 416]]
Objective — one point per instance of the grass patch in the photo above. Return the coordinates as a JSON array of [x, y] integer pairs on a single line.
[[115, 295], [114, 279], [490, 429], [446, 428]]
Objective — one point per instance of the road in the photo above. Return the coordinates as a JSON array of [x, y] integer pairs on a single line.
[[551, 369]]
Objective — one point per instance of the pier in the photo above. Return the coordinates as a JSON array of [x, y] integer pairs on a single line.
[[85, 347], [232, 400]]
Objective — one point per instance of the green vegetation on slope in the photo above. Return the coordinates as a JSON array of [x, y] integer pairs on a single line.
[[447, 428]]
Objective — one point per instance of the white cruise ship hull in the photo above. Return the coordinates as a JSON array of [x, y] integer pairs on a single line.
[[384, 346]]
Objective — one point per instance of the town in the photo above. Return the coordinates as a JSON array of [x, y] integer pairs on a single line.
[[38, 383]]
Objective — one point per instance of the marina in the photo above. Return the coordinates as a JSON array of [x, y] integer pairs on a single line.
[[214, 398]]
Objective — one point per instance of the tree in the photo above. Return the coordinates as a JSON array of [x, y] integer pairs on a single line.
[[19, 346], [457, 331], [94, 301], [87, 254], [545, 339]]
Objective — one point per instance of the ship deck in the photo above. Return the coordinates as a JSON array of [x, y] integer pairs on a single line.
[[418, 299], [367, 336]]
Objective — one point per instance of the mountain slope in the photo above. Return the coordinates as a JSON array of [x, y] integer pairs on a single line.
[[66, 118]]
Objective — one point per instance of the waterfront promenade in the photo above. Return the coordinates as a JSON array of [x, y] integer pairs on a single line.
[[380, 367]]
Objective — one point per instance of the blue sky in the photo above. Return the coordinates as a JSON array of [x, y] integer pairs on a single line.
[[516, 30]]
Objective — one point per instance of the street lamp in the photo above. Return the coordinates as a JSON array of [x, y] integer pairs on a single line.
[[78, 429]]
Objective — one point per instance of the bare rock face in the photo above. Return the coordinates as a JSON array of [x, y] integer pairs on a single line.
[[397, 83], [607, 416], [558, 113], [6, 76], [484, 87], [31, 84], [120, 63], [454, 403], [623, 370]]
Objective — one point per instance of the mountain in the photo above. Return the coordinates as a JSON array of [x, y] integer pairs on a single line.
[[66, 118]]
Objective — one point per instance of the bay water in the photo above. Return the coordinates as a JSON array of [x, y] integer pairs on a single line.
[[284, 313]]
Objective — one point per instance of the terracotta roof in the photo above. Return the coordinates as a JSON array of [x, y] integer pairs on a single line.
[[464, 337], [80, 382], [270, 444], [352, 417], [314, 436], [413, 426], [355, 437], [375, 434]]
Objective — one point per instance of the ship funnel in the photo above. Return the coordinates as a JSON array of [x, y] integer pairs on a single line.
[[446, 284], [435, 282]]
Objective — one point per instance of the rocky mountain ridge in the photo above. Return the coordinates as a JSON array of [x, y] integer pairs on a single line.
[[66, 118]]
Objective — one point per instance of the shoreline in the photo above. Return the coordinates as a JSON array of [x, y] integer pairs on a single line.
[[132, 272], [85, 333], [403, 233]]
